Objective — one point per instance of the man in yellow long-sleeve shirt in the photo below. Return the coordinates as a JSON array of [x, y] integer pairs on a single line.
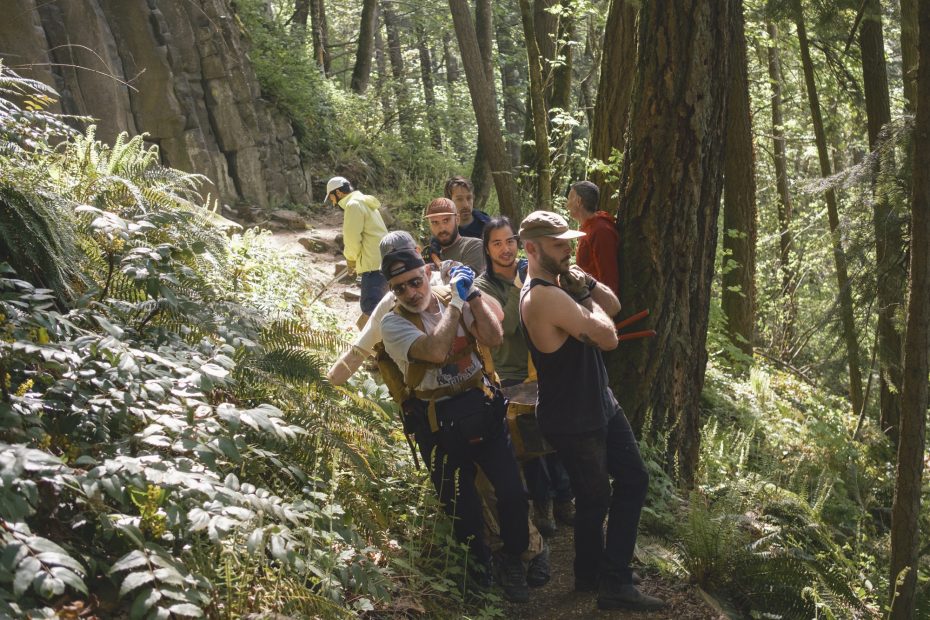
[[362, 229]]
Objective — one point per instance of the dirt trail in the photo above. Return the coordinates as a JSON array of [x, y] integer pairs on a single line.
[[557, 600]]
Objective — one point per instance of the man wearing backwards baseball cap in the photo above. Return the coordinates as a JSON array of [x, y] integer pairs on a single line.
[[362, 229], [456, 416], [567, 319], [447, 242]]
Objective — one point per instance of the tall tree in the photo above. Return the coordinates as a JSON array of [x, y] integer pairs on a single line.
[[669, 203], [513, 85], [429, 91], [909, 51], [839, 255], [541, 131], [485, 109], [299, 19], [366, 42], [905, 510], [780, 160], [481, 170], [320, 35], [381, 85], [890, 249], [618, 63], [739, 197], [396, 55]]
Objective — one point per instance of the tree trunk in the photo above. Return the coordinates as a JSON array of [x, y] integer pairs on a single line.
[[455, 133], [481, 171], [541, 132], [513, 85], [909, 52], [485, 109], [429, 91], [381, 64], [839, 256], [739, 198], [366, 40], [669, 204], [618, 62], [299, 19], [452, 65], [320, 35], [890, 248], [785, 236], [561, 98], [395, 55], [905, 510]]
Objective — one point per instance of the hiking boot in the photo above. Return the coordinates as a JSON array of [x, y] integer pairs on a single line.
[[627, 597], [564, 512], [537, 572], [513, 579], [589, 584], [543, 519], [481, 574]]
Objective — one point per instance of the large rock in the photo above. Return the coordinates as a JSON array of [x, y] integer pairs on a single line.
[[178, 71]]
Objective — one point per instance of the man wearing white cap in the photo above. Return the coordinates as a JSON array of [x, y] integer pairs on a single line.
[[362, 229]]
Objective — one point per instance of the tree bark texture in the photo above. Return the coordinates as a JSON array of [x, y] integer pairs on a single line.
[[320, 35], [669, 204], [785, 216], [906, 507], [366, 41], [395, 54], [541, 131], [839, 255], [561, 98], [891, 276], [429, 90], [618, 63], [485, 109], [739, 198], [481, 170]]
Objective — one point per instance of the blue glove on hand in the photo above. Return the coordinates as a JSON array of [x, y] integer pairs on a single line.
[[461, 282], [522, 266]]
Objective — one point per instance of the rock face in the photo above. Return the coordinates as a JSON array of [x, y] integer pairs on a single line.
[[178, 71]]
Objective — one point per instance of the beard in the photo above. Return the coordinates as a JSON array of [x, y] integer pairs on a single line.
[[553, 265], [446, 239], [504, 262], [417, 305]]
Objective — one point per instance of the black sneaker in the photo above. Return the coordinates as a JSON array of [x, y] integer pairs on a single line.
[[543, 519], [589, 584], [627, 597], [513, 578], [537, 572]]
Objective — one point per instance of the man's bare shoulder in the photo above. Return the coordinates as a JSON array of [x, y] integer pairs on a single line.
[[545, 298]]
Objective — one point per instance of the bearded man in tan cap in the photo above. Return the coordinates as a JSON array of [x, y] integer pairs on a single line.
[[568, 321]]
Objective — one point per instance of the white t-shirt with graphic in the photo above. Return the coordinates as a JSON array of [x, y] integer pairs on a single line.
[[399, 335]]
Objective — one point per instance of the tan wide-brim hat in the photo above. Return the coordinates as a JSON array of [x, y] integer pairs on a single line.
[[547, 224]]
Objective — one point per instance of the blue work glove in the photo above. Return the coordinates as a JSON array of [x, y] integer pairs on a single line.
[[461, 282], [522, 266]]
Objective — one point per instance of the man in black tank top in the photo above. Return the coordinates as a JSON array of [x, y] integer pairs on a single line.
[[567, 319]]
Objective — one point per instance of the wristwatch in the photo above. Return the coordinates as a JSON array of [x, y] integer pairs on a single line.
[[473, 295]]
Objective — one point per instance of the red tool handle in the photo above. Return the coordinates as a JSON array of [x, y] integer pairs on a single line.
[[629, 320], [649, 333]]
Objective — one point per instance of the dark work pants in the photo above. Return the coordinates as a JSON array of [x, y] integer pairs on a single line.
[[374, 287], [546, 479], [451, 461], [591, 459]]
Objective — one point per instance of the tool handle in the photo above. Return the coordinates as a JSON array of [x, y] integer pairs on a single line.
[[629, 320], [648, 333]]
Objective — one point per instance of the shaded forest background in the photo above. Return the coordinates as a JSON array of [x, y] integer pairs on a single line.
[[767, 172]]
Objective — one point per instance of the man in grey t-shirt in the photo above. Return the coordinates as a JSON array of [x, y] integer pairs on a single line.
[[447, 243]]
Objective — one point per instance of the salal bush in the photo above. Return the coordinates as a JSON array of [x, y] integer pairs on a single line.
[[150, 454]]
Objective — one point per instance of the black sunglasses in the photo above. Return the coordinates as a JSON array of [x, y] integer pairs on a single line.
[[398, 289]]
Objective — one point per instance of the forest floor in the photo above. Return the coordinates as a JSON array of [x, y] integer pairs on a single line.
[[557, 599]]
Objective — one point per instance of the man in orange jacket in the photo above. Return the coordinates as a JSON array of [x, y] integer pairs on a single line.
[[597, 250]]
